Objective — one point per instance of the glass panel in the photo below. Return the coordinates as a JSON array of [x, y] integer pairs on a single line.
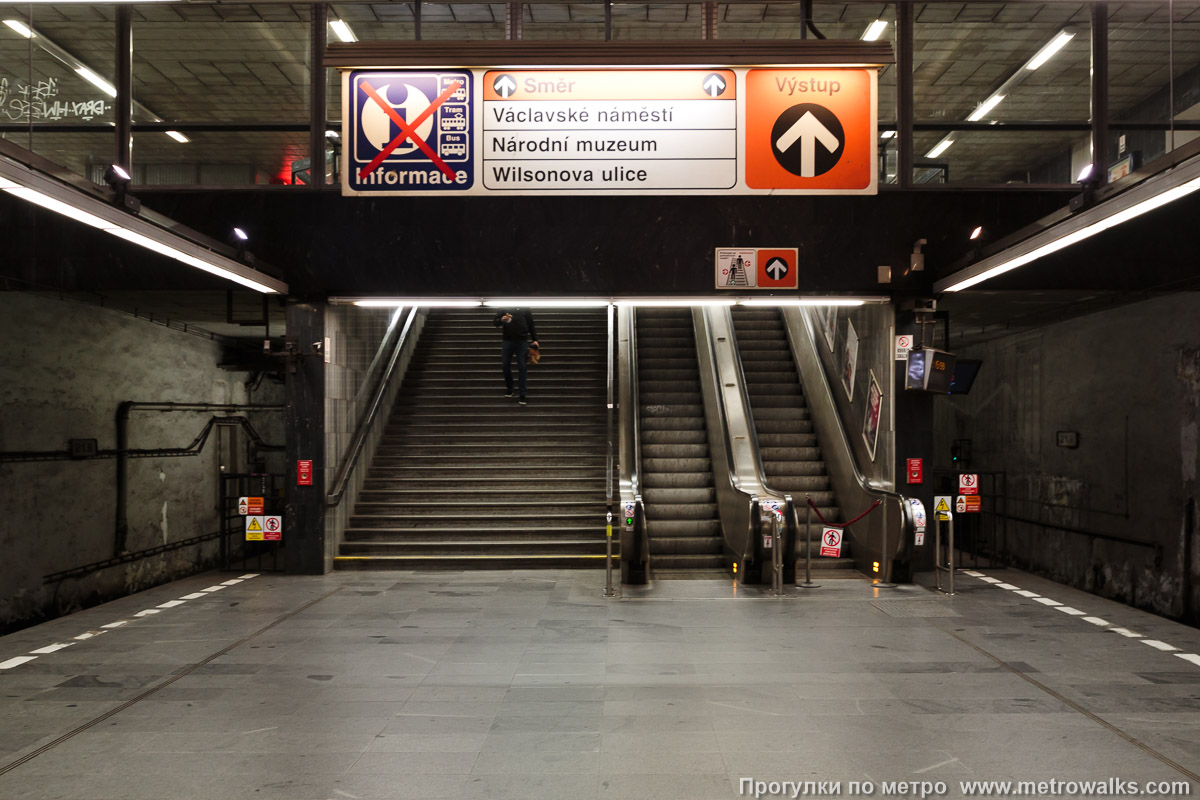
[[220, 159], [1150, 47], [1000, 62], [564, 21], [997, 156], [221, 63], [56, 68], [462, 21]]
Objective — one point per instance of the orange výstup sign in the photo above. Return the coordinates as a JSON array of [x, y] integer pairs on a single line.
[[811, 129]]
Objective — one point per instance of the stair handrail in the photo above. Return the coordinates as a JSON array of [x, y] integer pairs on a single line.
[[836, 444], [354, 452]]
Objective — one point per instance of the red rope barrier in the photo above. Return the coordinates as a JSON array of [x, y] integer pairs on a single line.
[[817, 511]]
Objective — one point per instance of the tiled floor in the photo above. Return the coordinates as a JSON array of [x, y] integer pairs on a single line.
[[531, 685]]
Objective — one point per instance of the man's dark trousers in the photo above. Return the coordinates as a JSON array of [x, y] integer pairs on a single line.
[[508, 349]]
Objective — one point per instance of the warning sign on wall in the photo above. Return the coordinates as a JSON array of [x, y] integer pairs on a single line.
[[254, 529], [831, 542], [757, 268]]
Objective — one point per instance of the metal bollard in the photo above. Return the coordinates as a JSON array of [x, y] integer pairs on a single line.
[[938, 568], [777, 556], [808, 582], [608, 580], [884, 560]]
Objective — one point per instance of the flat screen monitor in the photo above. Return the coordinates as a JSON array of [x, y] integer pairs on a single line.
[[965, 372], [929, 370]]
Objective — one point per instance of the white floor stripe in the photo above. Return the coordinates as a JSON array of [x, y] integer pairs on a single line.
[[972, 573], [1192, 657], [248, 575], [172, 603], [1157, 645], [990, 580], [52, 648], [147, 612], [1128, 634], [1046, 601], [1027, 593], [192, 596], [90, 635], [213, 589], [231, 582], [1096, 621], [1008, 586], [1074, 612], [116, 624], [16, 662]]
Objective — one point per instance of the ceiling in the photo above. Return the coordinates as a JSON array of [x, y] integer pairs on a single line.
[[197, 62]]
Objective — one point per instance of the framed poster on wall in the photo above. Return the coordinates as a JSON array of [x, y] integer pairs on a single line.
[[850, 360], [871, 420]]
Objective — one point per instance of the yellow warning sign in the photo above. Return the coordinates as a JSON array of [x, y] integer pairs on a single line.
[[254, 529], [942, 505]]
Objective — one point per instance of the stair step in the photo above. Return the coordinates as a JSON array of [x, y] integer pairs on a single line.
[[467, 561]]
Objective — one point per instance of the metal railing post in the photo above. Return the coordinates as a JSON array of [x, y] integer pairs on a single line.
[[938, 567], [777, 557], [808, 582], [608, 581]]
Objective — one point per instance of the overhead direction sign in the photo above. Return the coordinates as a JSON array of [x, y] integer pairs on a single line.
[[610, 130]]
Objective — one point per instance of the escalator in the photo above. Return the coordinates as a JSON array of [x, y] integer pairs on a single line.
[[683, 525], [464, 478], [791, 456]]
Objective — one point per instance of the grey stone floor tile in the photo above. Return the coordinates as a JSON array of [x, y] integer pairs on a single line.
[[541, 742], [535, 786], [666, 787], [537, 763], [413, 763], [427, 742], [658, 762]]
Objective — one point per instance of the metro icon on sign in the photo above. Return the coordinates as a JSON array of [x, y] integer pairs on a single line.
[[410, 131]]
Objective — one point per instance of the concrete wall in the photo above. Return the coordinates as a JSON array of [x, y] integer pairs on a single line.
[[65, 367], [1127, 380]]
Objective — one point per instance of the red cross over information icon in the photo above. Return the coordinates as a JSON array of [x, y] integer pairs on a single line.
[[408, 130]]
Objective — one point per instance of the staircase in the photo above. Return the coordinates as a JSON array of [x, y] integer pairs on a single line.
[[790, 455], [683, 525], [465, 478]]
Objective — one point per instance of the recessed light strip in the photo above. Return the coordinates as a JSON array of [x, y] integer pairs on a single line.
[[600, 302], [1153, 193], [40, 190]]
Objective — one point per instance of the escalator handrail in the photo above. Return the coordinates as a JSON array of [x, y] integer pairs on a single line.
[[864, 483], [630, 460], [752, 437], [353, 453]]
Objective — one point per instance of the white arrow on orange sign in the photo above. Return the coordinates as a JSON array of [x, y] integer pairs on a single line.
[[808, 130]]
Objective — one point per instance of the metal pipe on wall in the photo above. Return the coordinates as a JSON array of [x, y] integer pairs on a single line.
[[123, 412]]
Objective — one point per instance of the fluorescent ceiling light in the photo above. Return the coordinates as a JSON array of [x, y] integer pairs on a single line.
[[1047, 52], [179, 137], [241, 234], [19, 27], [57, 206], [542, 302], [673, 302], [888, 135], [433, 302], [977, 232], [120, 172], [190, 260], [1068, 239], [939, 148], [875, 30], [985, 108], [97, 81], [343, 30], [332, 135], [1084, 173]]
